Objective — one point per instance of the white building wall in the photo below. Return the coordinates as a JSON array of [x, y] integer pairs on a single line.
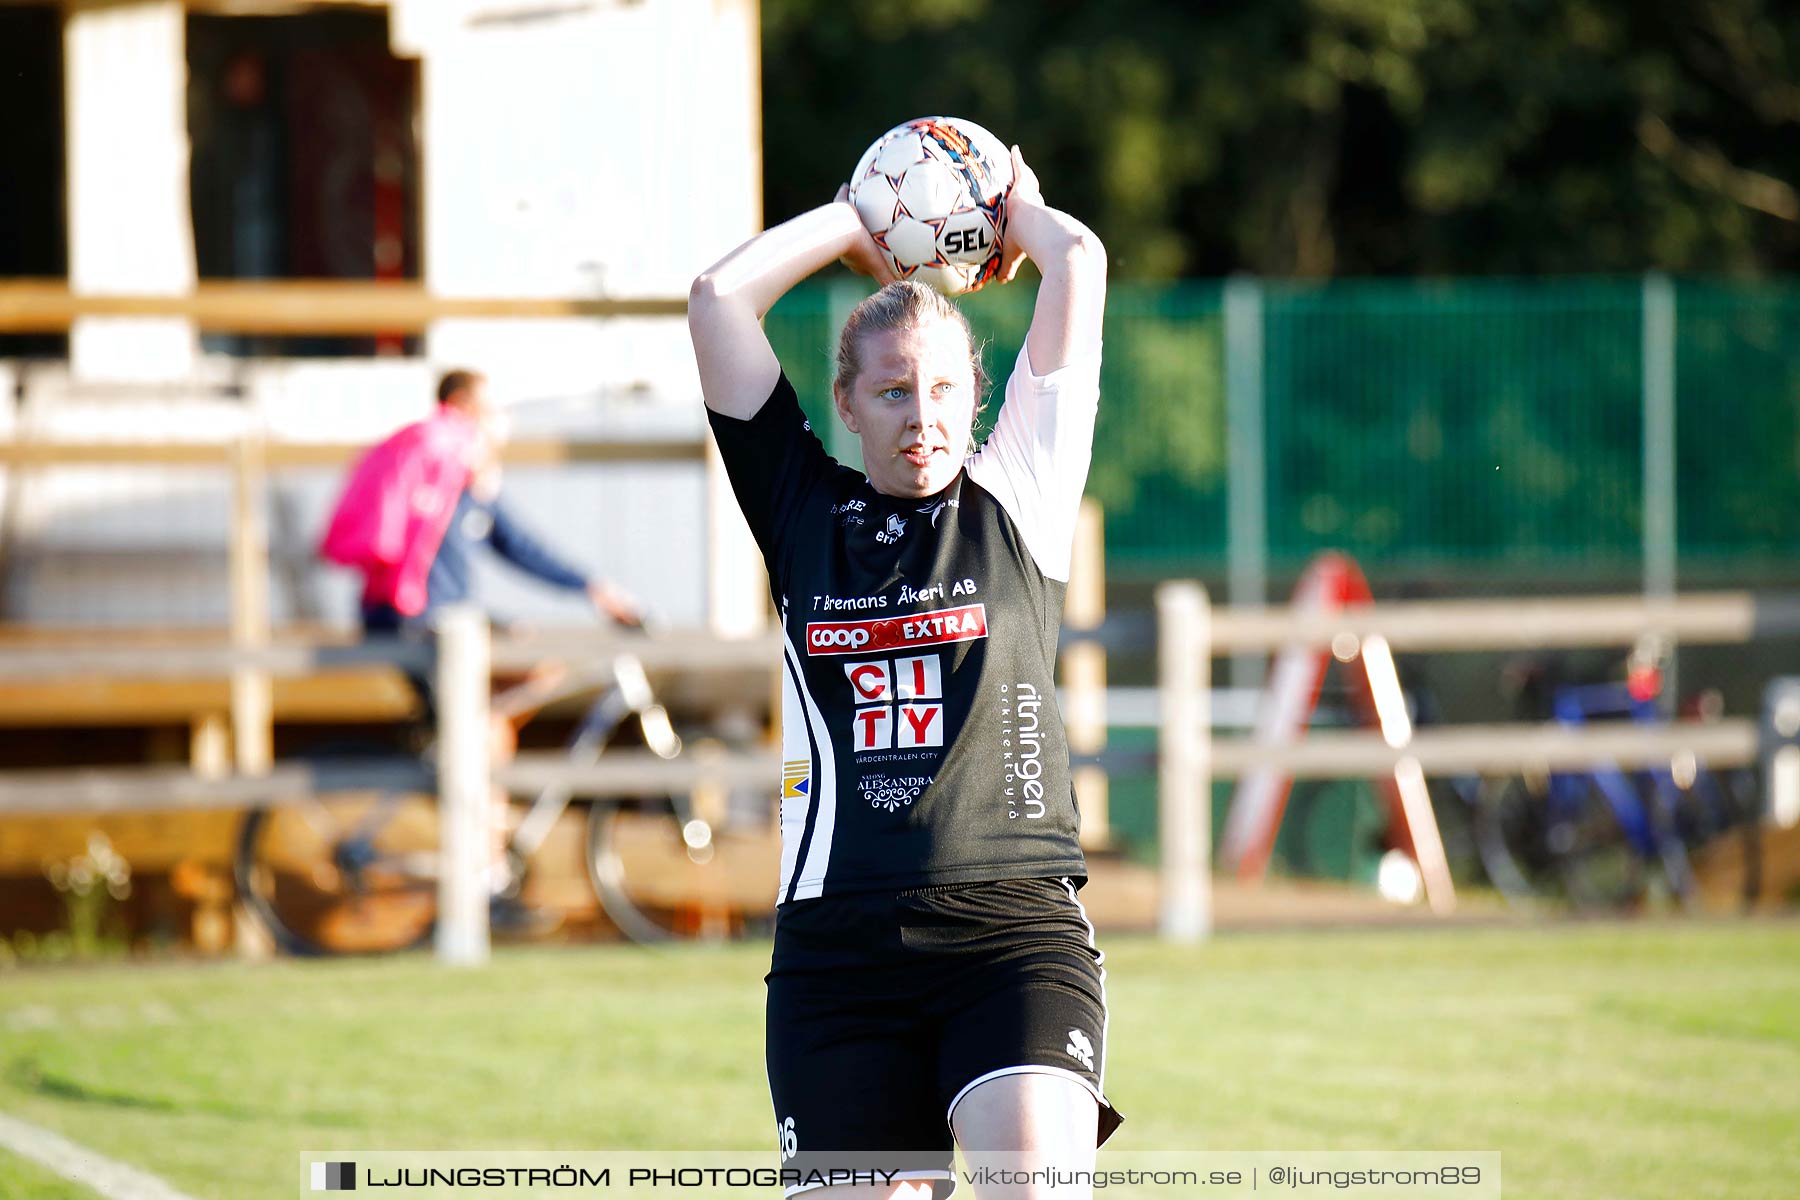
[[594, 149], [130, 224], [605, 149], [609, 148]]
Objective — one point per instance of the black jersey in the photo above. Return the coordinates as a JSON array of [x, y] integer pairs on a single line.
[[921, 740]]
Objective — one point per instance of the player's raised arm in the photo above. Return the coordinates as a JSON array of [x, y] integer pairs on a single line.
[[1065, 325], [727, 302]]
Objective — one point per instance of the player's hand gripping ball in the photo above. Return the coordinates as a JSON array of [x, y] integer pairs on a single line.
[[932, 193]]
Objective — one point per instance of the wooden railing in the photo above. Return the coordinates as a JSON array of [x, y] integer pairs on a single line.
[[1190, 634], [300, 307], [251, 460], [1189, 757]]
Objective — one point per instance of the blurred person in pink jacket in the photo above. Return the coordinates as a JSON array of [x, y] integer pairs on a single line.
[[418, 504], [413, 513]]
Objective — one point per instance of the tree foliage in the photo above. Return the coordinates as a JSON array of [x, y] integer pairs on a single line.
[[1333, 137]]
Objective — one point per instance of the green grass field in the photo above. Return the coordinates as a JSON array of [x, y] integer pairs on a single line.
[[1601, 1060]]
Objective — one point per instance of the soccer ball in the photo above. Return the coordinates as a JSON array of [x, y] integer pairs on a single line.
[[932, 193]]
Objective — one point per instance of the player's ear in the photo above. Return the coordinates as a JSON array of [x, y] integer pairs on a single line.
[[840, 399]]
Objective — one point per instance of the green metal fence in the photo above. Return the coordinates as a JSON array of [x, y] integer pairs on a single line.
[[1485, 426], [1737, 359]]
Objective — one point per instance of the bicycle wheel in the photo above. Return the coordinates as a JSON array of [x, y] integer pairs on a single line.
[[1600, 867], [671, 867], [1510, 828], [342, 873]]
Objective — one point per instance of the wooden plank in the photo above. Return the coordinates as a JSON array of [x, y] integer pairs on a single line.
[[742, 876], [1710, 617], [673, 650], [198, 661], [465, 783], [520, 452], [149, 841], [373, 695], [640, 773], [148, 789], [1713, 617], [303, 306], [525, 452], [667, 650], [1084, 672], [276, 8], [27, 635], [1487, 749], [252, 698], [1184, 762], [129, 789], [209, 745]]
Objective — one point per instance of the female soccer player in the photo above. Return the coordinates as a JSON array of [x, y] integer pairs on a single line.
[[934, 974]]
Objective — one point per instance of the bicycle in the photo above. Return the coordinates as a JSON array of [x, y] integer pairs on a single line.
[[1597, 838], [357, 871]]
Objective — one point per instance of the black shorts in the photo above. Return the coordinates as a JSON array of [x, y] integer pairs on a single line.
[[885, 1008]]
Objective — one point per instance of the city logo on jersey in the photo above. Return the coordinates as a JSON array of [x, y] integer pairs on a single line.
[[796, 779], [935, 628], [899, 703], [890, 535]]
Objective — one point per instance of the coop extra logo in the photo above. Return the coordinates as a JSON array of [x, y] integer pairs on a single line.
[[945, 625]]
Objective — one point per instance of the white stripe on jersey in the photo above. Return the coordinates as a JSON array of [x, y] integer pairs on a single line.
[[1035, 463], [796, 748], [805, 716]]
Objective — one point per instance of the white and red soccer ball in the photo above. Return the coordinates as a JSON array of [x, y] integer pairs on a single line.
[[932, 194]]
